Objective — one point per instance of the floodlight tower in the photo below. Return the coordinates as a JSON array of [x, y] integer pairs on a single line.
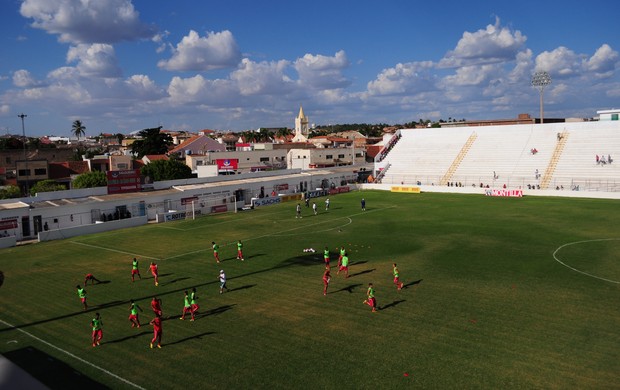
[[540, 80]]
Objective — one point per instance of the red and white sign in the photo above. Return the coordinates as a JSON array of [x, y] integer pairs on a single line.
[[509, 193], [7, 224], [123, 181], [227, 164]]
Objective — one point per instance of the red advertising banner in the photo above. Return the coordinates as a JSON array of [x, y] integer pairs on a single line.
[[8, 224], [227, 164], [219, 209], [185, 201], [120, 182]]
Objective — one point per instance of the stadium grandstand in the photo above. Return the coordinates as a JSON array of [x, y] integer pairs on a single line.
[[578, 156]]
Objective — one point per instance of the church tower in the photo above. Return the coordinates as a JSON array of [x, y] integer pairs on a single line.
[[301, 126]]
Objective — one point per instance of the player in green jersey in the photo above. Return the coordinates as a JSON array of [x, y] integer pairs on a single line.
[[81, 292], [187, 306], [97, 325], [133, 314], [134, 269], [371, 300], [239, 250], [397, 282], [216, 251]]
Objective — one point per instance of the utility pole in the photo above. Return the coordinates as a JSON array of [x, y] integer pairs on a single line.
[[22, 116]]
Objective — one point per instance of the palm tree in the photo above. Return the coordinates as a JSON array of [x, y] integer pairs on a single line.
[[78, 129]]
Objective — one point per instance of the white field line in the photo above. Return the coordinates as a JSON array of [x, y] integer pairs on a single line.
[[582, 272], [73, 356], [112, 250], [280, 233], [163, 225]]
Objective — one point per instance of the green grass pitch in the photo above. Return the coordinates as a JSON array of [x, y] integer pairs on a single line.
[[500, 293]]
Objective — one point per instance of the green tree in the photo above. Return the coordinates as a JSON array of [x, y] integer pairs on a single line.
[[46, 186], [78, 129], [160, 170], [152, 141], [10, 191], [90, 180]]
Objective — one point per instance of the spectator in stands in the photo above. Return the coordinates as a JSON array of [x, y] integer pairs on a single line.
[[603, 161], [597, 160], [609, 160]]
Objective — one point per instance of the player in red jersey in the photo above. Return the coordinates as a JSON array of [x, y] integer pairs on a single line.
[[92, 279], [156, 306], [157, 331], [326, 278], [154, 272]]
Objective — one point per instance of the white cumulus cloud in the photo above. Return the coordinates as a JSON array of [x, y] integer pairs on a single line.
[[95, 60], [196, 53], [493, 44], [87, 21], [322, 72], [603, 62], [23, 79], [262, 78], [560, 62]]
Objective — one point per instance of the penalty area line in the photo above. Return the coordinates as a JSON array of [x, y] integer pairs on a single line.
[[73, 356], [112, 250]]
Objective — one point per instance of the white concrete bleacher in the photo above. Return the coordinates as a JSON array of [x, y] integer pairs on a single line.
[[506, 152], [578, 166], [425, 155]]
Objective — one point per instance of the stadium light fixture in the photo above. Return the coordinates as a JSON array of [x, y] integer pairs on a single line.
[[540, 80]]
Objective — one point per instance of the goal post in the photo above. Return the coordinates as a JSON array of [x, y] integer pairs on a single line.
[[210, 204]]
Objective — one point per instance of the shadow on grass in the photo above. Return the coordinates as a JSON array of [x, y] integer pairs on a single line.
[[363, 272], [348, 288], [241, 288], [412, 283], [174, 281], [307, 260], [198, 336], [133, 336], [48, 370], [216, 311], [358, 263], [392, 304]]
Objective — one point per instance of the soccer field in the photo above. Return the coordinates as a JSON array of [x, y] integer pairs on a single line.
[[499, 293]]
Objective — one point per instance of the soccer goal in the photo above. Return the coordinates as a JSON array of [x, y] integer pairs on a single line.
[[200, 206]]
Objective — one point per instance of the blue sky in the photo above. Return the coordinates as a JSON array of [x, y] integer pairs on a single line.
[[123, 65]]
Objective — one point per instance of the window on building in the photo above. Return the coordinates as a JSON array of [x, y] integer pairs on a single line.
[[341, 156], [123, 166], [8, 160], [264, 159], [329, 156], [24, 172], [40, 171], [614, 117]]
